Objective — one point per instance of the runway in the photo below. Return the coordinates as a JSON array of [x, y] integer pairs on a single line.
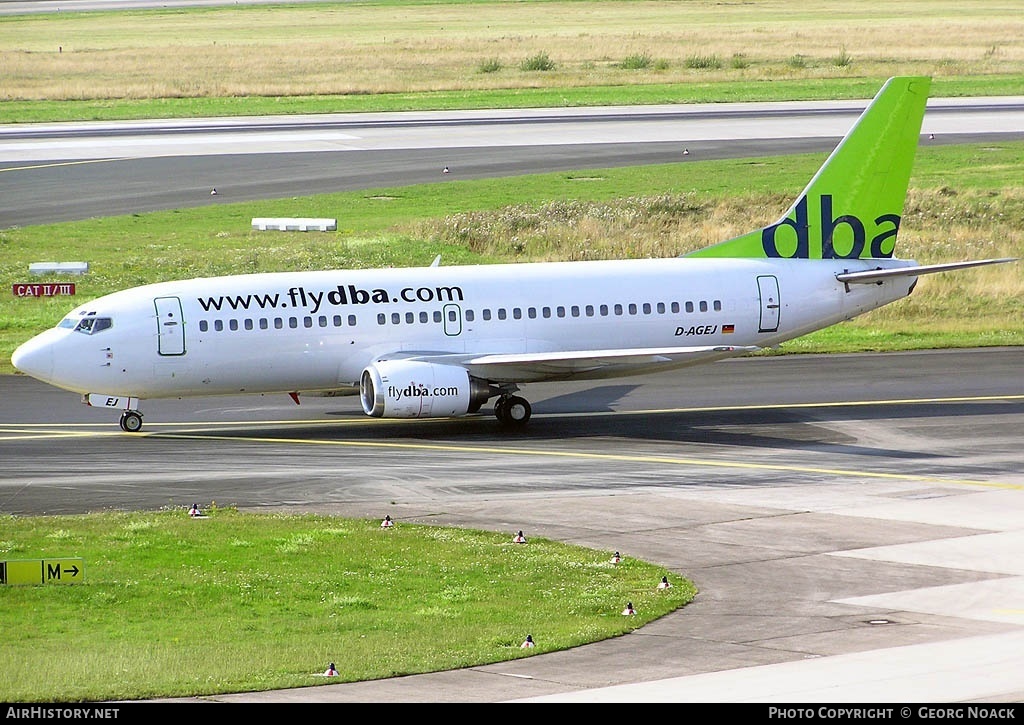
[[853, 522], [58, 172]]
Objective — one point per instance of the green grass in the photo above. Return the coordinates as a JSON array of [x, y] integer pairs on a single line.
[[627, 94], [171, 606]]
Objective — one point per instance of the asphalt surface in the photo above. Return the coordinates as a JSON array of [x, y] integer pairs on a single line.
[[853, 523]]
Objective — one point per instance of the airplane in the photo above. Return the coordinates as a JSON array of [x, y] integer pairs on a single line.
[[440, 342]]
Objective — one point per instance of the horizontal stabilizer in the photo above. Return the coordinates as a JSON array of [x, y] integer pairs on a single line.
[[875, 275]]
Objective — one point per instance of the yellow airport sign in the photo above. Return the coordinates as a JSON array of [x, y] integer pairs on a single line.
[[42, 571]]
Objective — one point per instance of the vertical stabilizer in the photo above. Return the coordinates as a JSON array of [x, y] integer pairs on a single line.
[[852, 207]]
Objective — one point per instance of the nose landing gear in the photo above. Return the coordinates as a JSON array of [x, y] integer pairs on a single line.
[[131, 421]]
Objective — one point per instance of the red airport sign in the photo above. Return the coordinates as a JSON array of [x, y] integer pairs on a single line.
[[39, 289]]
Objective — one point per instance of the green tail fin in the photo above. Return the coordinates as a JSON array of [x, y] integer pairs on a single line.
[[852, 207]]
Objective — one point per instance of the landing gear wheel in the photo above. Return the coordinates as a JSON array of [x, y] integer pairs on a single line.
[[518, 410], [131, 421], [513, 411]]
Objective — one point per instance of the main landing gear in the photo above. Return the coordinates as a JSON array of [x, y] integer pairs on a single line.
[[131, 421], [512, 411]]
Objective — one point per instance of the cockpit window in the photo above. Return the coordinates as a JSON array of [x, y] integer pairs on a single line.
[[87, 325]]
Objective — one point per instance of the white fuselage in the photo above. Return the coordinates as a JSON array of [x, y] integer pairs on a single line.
[[317, 331]]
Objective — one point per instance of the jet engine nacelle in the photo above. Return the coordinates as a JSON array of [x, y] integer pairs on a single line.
[[414, 389]]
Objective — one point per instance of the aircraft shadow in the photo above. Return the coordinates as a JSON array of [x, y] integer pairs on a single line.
[[812, 428]]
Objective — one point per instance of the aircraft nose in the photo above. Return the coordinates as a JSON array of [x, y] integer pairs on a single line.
[[35, 358]]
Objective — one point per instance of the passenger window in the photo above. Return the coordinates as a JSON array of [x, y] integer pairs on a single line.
[[647, 308], [703, 306], [233, 325], [487, 314], [689, 307], [218, 325], [410, 317], [470, 315], [437, 315], [351, 320], [322, 320], [531, 312], [278, 323], [381, 318], [574, 310], [293, 322], [501, 313], [632, 308], [718, 305], [263, 323], [247, 323], [337, 320], [204, 326], [517, 313], [618, 309]]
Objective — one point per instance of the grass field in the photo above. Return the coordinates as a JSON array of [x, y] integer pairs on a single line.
[[174, 606], [412, 54]]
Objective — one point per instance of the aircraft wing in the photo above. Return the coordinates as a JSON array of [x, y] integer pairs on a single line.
[[584, 364]]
